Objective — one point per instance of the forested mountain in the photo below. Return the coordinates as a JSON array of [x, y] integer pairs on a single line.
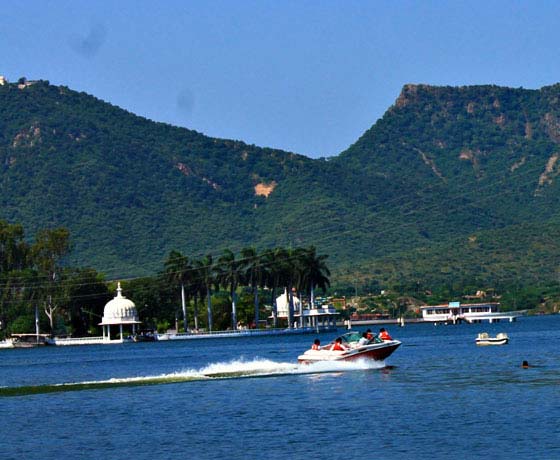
[[129, 189], [477, 173], [450, 184]]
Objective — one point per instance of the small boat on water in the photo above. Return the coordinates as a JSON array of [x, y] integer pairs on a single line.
[[7, 343], [376, 349], [145, 335], [484, 339], [26, 340]]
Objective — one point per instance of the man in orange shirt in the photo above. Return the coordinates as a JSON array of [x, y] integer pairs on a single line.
[[384, 335], [337, 345]]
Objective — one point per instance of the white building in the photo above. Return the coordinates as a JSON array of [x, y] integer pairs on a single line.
[[455, 312], [319, 317], [283, 305], [119, 311]]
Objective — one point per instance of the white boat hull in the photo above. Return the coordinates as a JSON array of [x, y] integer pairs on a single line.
[[492, 342], [484, 339], [375, 351]]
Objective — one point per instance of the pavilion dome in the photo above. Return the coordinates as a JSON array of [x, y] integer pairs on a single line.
[[120, 310]]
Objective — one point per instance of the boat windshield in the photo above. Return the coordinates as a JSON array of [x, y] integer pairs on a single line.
[[351, 337]]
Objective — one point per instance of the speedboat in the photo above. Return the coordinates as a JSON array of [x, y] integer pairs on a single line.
[[484, 339], [376, 349]]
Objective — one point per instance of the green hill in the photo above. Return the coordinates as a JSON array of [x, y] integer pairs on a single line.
[[450, 184], [129, 189]]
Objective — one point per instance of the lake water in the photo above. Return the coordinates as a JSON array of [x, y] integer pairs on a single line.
[[441, 397]]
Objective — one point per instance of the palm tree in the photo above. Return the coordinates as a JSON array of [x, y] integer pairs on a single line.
[[292, 274], [178, 270], [195, 287], [205, 272], [254, 274], [275, 263], [270, 281], [229, 275], [314, 271]]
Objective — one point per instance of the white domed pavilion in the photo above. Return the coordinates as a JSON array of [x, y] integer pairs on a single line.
[[119, 311]]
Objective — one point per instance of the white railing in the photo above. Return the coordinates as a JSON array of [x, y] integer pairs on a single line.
[[241, 333]]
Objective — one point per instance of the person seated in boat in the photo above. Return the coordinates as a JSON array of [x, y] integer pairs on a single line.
[[384, 335], [316, 345], [369, 335], [337, 345], [364, 339]]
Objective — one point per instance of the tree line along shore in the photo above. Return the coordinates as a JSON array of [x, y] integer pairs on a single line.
[[208, 293], [220, 292]]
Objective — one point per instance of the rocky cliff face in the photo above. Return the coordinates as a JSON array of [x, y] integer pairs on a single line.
[[461, 134]]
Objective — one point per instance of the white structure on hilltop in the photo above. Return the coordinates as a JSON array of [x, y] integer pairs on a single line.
[[119, 311]]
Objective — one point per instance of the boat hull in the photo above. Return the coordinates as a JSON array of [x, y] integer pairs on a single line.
[[375, 352], [487, 342], [484, 339]]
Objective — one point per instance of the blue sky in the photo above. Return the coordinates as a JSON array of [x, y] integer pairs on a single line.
[[304, 76]]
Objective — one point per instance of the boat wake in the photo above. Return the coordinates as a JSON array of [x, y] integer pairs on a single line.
[[267, 368], [216, 371]]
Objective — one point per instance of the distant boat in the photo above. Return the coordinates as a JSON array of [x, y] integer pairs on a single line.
[[7, 343], [146, 335], [484, 339], [28, 340]]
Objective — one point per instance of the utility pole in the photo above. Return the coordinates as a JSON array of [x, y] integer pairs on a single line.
[[184, 307], [37, 323]]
